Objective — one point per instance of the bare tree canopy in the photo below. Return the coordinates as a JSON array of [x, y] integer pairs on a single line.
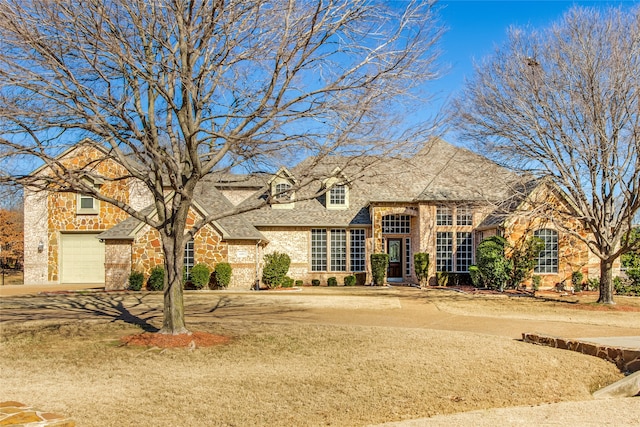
[[175, 90], [563, 102]]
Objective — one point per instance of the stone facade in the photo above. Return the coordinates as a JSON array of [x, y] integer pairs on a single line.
[[47, 215]]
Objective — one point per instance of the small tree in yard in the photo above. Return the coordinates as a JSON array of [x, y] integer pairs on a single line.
[[523, 257], [421, 267], [275, 269], [176, 92], [493, 265]]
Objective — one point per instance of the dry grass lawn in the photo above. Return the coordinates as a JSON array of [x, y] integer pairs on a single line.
[[298, 373]]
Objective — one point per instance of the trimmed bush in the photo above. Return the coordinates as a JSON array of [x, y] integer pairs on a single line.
[[379, 265], [275, 269], [199, 275], [350, 280], [332, 281], [299, 283], [421, 267], [315, 282], [136, 279], [287, 282], [222, 274], [156, 278]]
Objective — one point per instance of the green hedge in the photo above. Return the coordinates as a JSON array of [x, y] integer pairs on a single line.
[[156, 278], [379, 265], [350, 280]]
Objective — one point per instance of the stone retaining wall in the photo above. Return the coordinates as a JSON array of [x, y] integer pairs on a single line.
[[627, 360]]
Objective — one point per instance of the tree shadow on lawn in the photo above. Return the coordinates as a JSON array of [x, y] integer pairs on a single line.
[[132, 309], [143, 309]]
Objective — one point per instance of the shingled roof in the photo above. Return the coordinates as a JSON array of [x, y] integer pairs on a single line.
[[440, 172], [210, 200]]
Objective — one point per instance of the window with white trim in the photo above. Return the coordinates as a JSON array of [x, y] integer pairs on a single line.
[[396, 224], [189, 258], [338, 195], [282, 191], [464, 215], [87, 205], [464, 251], [444, 215], [338, 250], [407, 257], [357, 250], [318, 249], [444, 251], [547, 261]]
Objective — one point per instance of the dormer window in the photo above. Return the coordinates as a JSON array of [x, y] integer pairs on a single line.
[[281, 189], [337, 190]]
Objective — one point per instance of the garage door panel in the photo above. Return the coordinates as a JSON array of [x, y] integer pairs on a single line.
[[82, 259]]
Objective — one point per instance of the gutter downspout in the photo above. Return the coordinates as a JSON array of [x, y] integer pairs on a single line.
[[256, 286]]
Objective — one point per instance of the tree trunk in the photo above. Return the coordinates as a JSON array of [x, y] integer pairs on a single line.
[[173, 322], [606, 282]]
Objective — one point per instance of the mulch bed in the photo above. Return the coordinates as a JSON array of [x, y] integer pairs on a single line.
[[193, 340]]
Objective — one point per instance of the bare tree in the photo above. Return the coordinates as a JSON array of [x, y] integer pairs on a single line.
[[176, 90], [563, 102]]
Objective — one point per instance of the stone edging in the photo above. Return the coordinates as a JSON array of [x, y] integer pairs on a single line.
[[18, 414], [627, 360]]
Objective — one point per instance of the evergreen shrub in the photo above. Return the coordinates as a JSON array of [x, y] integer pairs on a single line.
[[136, 280]]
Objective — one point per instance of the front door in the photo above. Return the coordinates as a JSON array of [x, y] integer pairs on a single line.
[[394, 249]]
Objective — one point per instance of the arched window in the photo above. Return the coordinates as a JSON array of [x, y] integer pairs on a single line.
[[547, 258]]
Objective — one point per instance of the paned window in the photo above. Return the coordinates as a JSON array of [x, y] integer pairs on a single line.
[[396, 224], [189, 259], [444, 215], [464, 215], [357, 250], [282, 191], [337, 195], [318, 249], [464, 251], [444, 251], [548, 258], [338, 250]]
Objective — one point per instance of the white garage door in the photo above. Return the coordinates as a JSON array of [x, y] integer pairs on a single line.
[[81, 259]]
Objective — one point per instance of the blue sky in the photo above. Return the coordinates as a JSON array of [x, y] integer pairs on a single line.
[[475, 27]]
